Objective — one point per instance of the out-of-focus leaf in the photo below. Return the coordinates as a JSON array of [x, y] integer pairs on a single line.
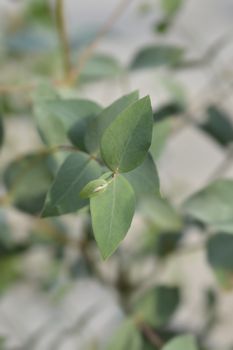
[[64, 196], [212, 205], [160, 134], [145, 179], [159, 213], [157, 56], [97, 126], [9, 267], [184, 342], [39, 12], [31, 40], [28, 179], [127, 337], [1, 131], [170, 7], [167, 242], [168, 110], [218, 125], [220, 251], [56, 116], [5, 232], [224, 278], [158, 305], [100, 67]]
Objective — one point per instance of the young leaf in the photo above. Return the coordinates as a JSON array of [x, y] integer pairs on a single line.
[[94, 188], [127, 337], [97, 125], [212, 205], [64, 195], [220, 251], [156, 56], [28, 179], [144, 179], [127, 140], [184, 342], [112, 212]]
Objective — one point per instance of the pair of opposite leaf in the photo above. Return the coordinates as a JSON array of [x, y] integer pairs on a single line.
[[124, 144]]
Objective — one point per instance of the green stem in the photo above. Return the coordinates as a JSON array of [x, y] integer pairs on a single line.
[[63, 37]]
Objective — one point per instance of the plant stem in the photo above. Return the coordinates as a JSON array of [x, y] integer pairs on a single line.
[[63, 37], [86, 55]]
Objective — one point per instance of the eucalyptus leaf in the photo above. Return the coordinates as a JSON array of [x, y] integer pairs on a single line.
[[170, 7], [54, 117], [145, 179], [112, 212], [100, 67], [212, 205], [93, 188], [220, 251], [126, 337], [183, 342], [161, 214], [98, 125], [158, 305], [157, 56], [28, 179], [1, 131], [126, 141], [64, 196], [218, 125], [160, 134]]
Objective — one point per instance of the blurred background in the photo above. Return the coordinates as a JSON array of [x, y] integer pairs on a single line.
[[48, 302]]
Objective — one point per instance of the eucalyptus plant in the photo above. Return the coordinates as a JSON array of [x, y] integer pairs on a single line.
[[100, 165]]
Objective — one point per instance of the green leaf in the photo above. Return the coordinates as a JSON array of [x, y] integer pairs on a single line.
[[1, 131], [212, 205], [98, 125], [55, 117], [218, 125], [168, 110], [167, 243], [220, 251], [127, 140], [112, 212], [39, 11], [28, 179], [161, 214], [158, 305], [170, 7], [93, 188], [145, 179], [100, 67], [160, 134], [127, 337], [184, 342], [157, 56], [64, 196]]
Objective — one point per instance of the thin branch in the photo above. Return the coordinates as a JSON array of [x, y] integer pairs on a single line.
[[150, 334], [86, 55], [63, 37]]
